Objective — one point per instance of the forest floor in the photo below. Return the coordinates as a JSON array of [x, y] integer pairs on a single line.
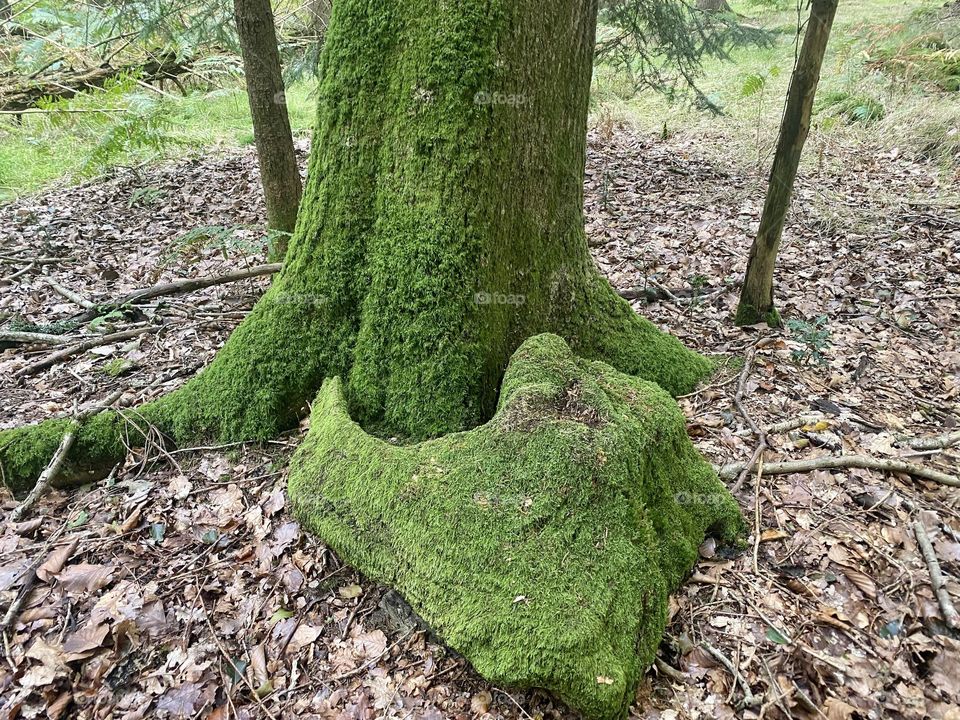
[[181, 587]]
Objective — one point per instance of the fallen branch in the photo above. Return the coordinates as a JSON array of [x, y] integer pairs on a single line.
[[191, 284], [31, 338], [749, 699], [49, 473], [837, 462], [70, 295], [937, 580], [25, 95], [941, 442], [80, 347], [794, 424]]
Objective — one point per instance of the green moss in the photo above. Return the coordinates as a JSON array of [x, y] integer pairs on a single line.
[[26, 451], [748, 314], [118, 366], [541, 545]]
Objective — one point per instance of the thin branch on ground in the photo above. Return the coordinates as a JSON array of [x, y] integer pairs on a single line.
[[29, 579], [839, 462], [794, 424], [757, 456], [189, 285], [32, 338], [940, 442], [70, 295], [939, 583], [749, 699], [83, 346], [59, 457]]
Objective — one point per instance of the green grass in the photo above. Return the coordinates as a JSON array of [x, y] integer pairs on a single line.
[[75, 142], [889, 80]]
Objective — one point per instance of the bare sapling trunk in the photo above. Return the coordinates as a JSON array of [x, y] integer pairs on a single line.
[[756, 297], [279, 174]]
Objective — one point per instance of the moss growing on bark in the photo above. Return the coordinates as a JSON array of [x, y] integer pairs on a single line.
[[541, 545], [26, 451]]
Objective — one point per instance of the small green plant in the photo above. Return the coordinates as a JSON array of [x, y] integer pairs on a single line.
[[225, 238], [146, 197], [756, 84], [813, 338], [856, 108], [118, 366]]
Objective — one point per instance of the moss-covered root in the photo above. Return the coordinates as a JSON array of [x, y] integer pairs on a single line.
[[541, 545], [26, 451]]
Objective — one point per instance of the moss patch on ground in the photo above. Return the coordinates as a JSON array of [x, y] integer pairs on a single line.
[[542, 545]]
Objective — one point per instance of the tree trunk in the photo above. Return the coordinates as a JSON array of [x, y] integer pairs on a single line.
[[441, 235], [756, 297], [279, 173], [713, 6]]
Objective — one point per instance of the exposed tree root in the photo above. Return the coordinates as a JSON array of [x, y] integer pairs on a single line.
[[59, 457], [565, 520]]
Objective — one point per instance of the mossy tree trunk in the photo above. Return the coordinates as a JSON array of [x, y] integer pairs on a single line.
[[441, 234], [441, 226], [279, 173], [756, 296]]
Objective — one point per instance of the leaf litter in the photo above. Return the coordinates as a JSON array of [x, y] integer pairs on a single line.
[[184, 589]]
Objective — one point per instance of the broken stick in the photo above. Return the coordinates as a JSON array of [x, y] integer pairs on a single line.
[[49, 473], [837, 462], [937, 580]]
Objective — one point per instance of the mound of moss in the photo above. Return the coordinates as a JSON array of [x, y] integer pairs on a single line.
[[541, 545]]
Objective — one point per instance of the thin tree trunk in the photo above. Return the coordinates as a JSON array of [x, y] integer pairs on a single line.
[[756, 297], [713, 5], [279, 173]]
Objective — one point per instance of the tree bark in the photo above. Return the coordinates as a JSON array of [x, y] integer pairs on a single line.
[[442, 234], [756, 296], [442, 225], [279, 173], [713, 5]]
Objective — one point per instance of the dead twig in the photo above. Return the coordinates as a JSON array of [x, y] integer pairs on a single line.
[[940, 442], [29, 580], [794, 424], [70, 295], [937, 580], [762, 446], [749, 699], [838, 462], [80, 347], [31, 338], [59, 457], [188, 285]]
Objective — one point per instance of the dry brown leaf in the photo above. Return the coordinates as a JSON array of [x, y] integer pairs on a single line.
[[55, 561], [79, 644], [85, 577], [837, 709], [864, 582]]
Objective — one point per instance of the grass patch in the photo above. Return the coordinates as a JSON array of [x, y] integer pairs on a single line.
[[121, 127], [892, 83]]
